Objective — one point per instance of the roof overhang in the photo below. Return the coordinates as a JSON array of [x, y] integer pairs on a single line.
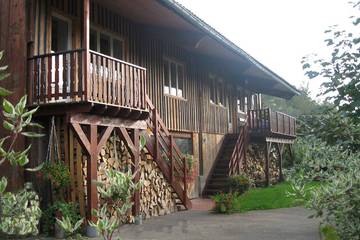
[[169, 19]]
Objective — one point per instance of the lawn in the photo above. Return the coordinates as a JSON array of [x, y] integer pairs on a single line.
[[267, 198]]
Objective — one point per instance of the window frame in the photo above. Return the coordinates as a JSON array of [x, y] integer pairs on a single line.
[[167, 81], [217, 89], [112, 36]]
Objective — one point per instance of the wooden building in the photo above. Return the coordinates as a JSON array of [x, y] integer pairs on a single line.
[[110, 70]]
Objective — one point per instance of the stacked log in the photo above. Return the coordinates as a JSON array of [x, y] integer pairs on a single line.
[[255, 164], [157, 197], [156, 194]]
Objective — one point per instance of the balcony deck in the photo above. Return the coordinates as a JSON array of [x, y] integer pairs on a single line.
[[271, 124], [57, 82]]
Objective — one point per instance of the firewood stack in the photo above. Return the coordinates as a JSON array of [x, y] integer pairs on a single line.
[[255, 164], [156, 195]]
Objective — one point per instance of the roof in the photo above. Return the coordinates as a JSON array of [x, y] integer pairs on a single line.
[[287, 90]]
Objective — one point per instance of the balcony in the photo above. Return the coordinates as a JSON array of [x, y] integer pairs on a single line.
[[109, 86], [268, 123]]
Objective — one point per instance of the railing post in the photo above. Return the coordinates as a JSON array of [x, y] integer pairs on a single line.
[[185, 178], [156, 133], [86, 43], [172, 158]]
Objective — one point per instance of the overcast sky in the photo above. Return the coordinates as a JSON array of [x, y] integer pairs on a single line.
[[278, 33]]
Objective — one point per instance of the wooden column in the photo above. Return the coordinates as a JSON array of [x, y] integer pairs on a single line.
[[267, 163], [86, 46], [280, 148], [136, 169], [92, 197]]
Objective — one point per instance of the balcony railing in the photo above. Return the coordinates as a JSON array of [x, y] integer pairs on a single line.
[[59, 78], [265, 121]]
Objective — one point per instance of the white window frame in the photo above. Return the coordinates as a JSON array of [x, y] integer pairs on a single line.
[[111, 35], [169, 91]]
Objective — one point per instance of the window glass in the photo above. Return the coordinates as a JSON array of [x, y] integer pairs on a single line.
[[93, 40], [117, 49], [180, 85], [185, 145], [59, 35], [105, 44], [166, 78]]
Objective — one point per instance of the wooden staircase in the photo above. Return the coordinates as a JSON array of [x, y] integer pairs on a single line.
[[163, 149], [229, 160]]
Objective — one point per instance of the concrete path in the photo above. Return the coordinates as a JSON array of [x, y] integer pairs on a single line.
[[278, 224]]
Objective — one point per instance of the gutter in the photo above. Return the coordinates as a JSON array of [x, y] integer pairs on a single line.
[[194, 20]]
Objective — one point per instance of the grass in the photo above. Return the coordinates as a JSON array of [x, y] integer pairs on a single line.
[[267, 198], [329, 233]]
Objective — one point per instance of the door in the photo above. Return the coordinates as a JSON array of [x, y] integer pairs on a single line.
[[60, 43]]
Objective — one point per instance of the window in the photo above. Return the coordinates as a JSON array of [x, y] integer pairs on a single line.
[[185, 145], [217, 90], [173, 78], [106, 43]]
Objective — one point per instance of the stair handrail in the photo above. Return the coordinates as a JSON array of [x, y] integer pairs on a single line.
[[238, 155], [163, 140]]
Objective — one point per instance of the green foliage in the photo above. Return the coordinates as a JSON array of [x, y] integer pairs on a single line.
[[58, 173], [333, 127], [189, 161], [329, 233], [225, 202], [118, 195], [20, 213], [341, 69], [59, 208], [239, 183], [68, 226], [337, 201]]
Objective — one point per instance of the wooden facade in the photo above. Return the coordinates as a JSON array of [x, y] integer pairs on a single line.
[[99, 70]]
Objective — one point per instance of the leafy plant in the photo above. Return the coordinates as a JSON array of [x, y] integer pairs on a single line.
[[190, 162], [20, 212], [239, 183], [224, 202], [58, 173], [68, 226], [118, 197], [59, 209]]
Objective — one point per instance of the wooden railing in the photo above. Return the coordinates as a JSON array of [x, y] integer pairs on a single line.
[[238, 157], [162, 147], [56, 77], [59, 77], [265, 120], [116, 82]]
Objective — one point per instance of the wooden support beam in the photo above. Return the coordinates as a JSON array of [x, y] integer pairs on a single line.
[[136, 170], [104, 138], [82, 137], [280, 148], [129, 143], [267, 163], [92, 195]]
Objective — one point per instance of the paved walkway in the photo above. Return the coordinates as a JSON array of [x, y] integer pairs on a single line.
[[278, 224]]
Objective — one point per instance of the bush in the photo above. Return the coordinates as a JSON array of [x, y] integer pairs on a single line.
[[59, 209], [337, 201], [239, 183], [225, 202]]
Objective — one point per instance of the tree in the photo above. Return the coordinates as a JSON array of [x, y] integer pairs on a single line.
[[341, 69]]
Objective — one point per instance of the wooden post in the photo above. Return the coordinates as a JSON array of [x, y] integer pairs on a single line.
[[172, 158], [86, 46], [185, 179], [92, 196], [156, 133], [267, 164], [281, 151], [136, 169]]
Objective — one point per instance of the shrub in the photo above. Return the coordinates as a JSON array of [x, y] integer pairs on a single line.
[[20, 212], [61, 210], [225, 202], [239, 183]]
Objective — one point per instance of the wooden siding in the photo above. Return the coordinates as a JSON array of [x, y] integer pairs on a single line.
[[144, 49]]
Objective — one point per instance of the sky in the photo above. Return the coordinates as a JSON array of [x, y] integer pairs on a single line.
[[278, 33]]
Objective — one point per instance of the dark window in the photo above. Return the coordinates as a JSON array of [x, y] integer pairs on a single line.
[[93, 40], [117, 49], [185, 145], [105, 44], [59, 35]]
